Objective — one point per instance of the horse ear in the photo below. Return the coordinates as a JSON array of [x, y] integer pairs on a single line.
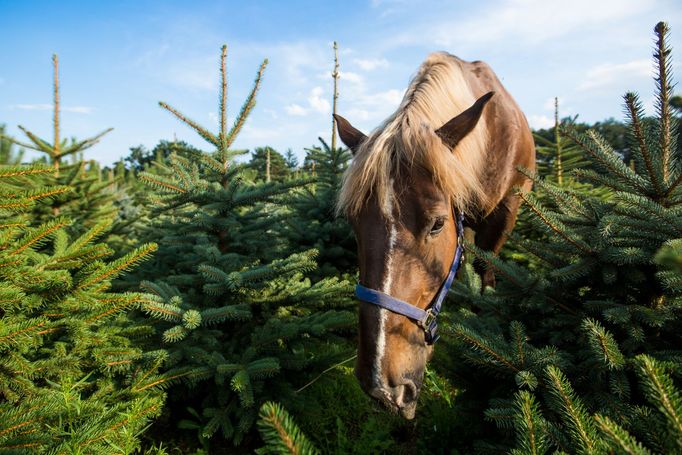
[[458, 127], [350, 136]]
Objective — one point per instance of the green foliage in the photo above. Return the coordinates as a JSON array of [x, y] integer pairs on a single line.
[[70, 356], [77, 188], [340, 419], [269, 164], [69, 361], [280, 433], [237, 314], [556, 347], [7, 153], [141, 159], [558, 156], [314, 223]]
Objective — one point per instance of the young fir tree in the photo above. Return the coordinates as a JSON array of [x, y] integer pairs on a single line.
[[89, 198], [557, 351], [72, 377], [559, 156], [269, 164], [244, 327], [314, 223]]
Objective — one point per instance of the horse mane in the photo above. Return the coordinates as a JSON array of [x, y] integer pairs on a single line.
[[437, 93]]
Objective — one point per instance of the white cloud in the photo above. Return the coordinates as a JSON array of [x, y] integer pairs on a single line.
[[535, 21], [358, 114], [78, 109], [271, 112], [540, 121], [296, 109], [261, 135], [350, 77], [32, 107], [371, 64], [388, 98], [317, 102], [291, 62], [606, 74], [389, 7], [49, 107], [193, 77]]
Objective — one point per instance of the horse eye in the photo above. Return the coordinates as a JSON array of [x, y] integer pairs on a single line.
[[437, 226]]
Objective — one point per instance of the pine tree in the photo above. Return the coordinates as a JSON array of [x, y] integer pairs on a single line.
[[559, 156], [233, 315], [70, 368], [80, 191], [556, 349], [269, 164], [314, 223]]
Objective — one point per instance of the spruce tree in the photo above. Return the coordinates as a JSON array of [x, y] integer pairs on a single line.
[[269, 164], [80, 191], [581, 354], [73, 378], [314, 223], [237, 319], [559, 156]]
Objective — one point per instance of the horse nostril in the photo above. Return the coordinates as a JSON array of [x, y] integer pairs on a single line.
[[405, 394]]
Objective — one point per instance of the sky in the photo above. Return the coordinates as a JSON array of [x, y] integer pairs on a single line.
[[118, 59]]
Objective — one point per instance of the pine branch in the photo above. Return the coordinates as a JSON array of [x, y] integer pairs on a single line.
[[84, 144], [203, 132], [573, 410], [39, 235], [661, 58], [161, 182], [120, 265], [222, 107], [603, 345], [281, 434], [23, 170], [40, 145], [528, 421], [554, 225], [634, 111], [249, 104], [661, 393], [619, 438]]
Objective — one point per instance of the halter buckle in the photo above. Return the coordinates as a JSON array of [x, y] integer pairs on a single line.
[[428, 319]]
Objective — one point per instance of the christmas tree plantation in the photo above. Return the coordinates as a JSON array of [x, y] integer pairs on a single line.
[[241, 323]]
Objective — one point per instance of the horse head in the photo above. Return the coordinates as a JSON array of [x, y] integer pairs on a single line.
[[399, 198]]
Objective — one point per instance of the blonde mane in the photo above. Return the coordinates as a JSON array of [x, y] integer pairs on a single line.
[[436, 94]]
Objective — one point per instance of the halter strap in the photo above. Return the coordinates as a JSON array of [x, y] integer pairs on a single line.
[[425, 319]]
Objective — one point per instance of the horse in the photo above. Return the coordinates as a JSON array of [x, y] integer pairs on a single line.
[[446, 159]]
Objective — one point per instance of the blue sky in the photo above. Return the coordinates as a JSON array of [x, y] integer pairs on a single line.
[[118, 59]]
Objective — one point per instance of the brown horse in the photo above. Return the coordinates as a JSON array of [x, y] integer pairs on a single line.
[[454, 143]]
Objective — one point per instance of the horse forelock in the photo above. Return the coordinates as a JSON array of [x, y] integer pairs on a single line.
[[438, 92]]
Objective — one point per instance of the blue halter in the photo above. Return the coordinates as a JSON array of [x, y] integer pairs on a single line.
[[425, 319]]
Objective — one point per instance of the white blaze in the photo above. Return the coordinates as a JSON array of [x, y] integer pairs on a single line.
[[386, 286]]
